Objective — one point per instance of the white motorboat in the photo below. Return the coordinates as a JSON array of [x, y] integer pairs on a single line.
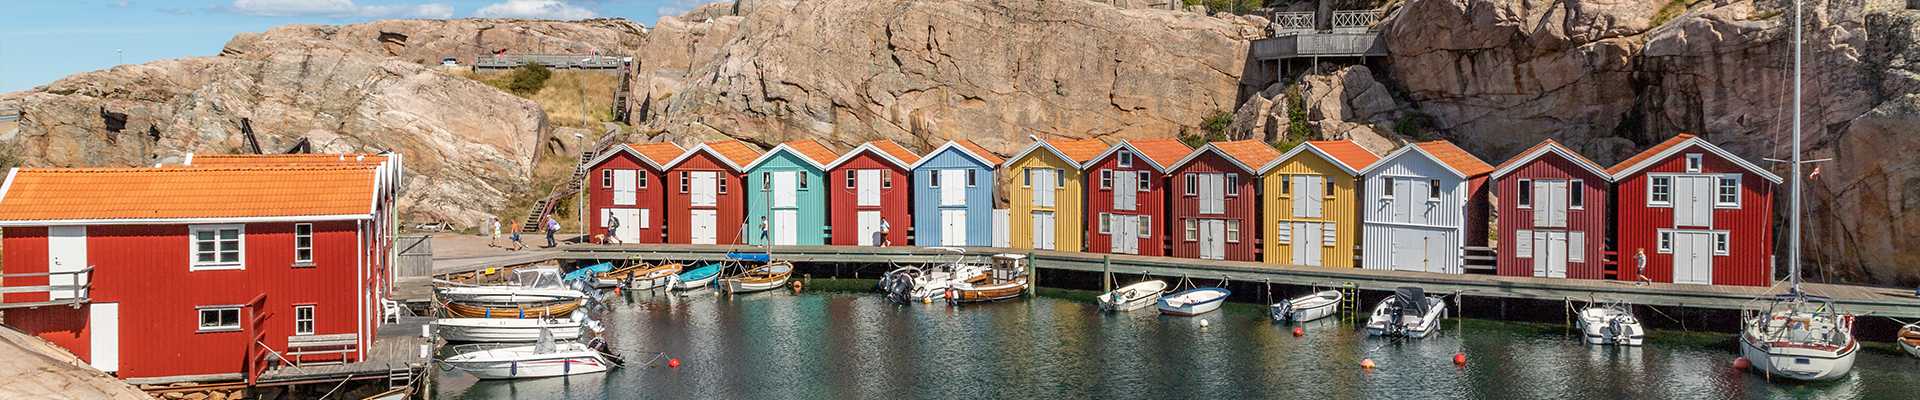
[[766, 277], [1193, 301], [1133, 297], [530, 285], [1611, 324], [911, 284], [1408, 313], [1800, 337], [498, 330], [544, 359], [1306, 308], [1910, 339]]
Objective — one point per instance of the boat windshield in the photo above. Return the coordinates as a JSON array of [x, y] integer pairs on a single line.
[[538, 278]]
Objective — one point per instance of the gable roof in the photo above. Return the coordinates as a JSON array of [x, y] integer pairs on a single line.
[[1454, 159], [810, 151], [1545, 147], [965, 147], [1159, 153], [1073, 151], [733, 153], [105, 196], [1673, 146], [656, 155], [885, 148], [1345, 154], [1249, 155]]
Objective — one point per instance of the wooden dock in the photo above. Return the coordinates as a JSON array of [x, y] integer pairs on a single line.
[[1860, 300], [395, 351]]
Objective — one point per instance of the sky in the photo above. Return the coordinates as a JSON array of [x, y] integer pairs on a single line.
[[44, 40]]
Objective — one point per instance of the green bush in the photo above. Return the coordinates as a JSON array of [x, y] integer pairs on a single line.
[[528, 79], [9, 159], [1230, 6], [1213, 129], [1415, 124]]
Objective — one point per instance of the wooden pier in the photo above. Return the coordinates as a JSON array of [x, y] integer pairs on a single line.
[[393, 361]]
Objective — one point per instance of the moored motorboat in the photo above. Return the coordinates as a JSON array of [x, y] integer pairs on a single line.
[[1910, 339], [911, 284], [513, 310], [1612, 324], [1006, 278], [1195, 301], [696, 278], [658, 276], [527, 285], [539, 360], [1800, 337], [497, 330], [1306, 308], [771, 276], [1408, 313], [1133, 297]]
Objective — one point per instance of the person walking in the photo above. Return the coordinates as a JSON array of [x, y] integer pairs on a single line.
[[493, 222], [518, 245], [1640, 267], [881, 237], [613, 226], [553, 227]]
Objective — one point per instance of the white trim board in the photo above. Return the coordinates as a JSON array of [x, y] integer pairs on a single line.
[[783, 147], [1129, 146], [1550, 147], [865, 147], [1703, 144], [956, 146], [173, 221], [1309, 147], [696, 150], [1215, 150]]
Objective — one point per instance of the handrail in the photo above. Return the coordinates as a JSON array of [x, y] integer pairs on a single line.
[[1350, 19], [1291, 21], [88, 269]]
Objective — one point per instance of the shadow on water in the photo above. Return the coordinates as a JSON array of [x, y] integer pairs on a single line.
[[849, 344]]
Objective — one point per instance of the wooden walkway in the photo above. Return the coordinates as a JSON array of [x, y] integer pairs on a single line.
[[396, 348], [1860, 300]]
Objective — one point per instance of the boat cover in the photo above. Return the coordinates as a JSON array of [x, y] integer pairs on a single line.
[[1411, 299], [748, 257]]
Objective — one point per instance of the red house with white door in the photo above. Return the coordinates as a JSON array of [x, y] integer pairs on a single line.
[[1127, 196], [707, 204], [1696, 213], [875, 187], [625, 183], [1553, 214], [158, 272], [1215, 208]]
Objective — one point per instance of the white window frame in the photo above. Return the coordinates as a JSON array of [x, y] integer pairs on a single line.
[[1524, 194], [1191, 182], [1653, 183], [200, 321], [1286, 185], [803, 178], [1106, 179], [1433, 190], [1104, 218], [606, 178], [639, 179], [1059, 178], [766, 181], [1125, 159], [933, 178], [1146, 181], [1576, 194], [297, 261], [886, 179], [1330, 186], [1233, 185], [193, 248], [1695, 162], [1722, 243], [1192, 229], [1386, 191], [1718, 185], [720, 183], [1663, 243], [308, 321], [1233, 231], [685, 181], [853, 178]]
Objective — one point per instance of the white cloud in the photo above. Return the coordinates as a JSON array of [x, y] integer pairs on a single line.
[[339, 8], [534, 9], [678, 7]]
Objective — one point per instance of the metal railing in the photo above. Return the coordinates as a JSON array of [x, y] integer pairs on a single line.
[[583, 61], [76, 291]]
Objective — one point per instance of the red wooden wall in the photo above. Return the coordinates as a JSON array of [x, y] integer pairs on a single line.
[[1151, 203], [1243, 207], [653, 197], [731, 205], [842, 202], [1591, 219], [1750, 228]]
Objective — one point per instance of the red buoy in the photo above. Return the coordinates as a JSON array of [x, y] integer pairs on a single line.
[[1741, 363], [1460, 359], [1366, 364], [673, 363], [1297, 332]]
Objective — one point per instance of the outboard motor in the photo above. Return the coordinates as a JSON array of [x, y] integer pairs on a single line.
[[1616, 331], [1283, 311], [900, 287]]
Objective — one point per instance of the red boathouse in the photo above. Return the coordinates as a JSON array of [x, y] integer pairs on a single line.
[[708, 202], [1215, 208], [1696, 214], [625, 183], [872, 186], [1553, 214], [188, 271], [1127, 196]]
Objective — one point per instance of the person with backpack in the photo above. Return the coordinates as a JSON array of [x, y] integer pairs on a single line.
[[553, 227], [613, 226]]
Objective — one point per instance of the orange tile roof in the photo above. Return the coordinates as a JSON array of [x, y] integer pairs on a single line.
[[217, 160], [1454, 156], [896, 150], [985, 155], [1347, 152], [1079, 150], [813, 150], [1549, 142], [1162, 151], [734, 151], [1676, 140], [660, 153], [59, 194], [1252, 153]]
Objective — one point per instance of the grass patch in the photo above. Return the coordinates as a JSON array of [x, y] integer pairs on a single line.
[[579, 99], [1415, 124], [1673, 9]]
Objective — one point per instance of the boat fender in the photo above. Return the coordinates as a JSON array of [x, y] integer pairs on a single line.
[[1203, 323], [1741, 363]]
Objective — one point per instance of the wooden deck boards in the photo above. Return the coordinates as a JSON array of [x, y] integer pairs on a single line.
[[396, 347]]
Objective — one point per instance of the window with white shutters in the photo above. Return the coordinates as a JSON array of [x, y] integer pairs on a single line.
[[1577, 246], [1327, 235], [1283, 233], [1523, 244], [1146, 181]]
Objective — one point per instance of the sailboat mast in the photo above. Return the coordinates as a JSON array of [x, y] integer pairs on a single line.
[[1793, 240]]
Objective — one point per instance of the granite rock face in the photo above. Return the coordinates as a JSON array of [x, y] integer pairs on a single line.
[[430, 41]]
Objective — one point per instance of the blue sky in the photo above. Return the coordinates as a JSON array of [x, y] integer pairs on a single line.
[[44, 40]]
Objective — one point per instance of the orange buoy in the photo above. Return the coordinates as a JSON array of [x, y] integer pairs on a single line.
[[1741, 363], [1460, 359], [1297, 332], [1366, 364], [673, 363]]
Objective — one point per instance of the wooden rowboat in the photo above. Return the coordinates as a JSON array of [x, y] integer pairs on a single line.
[[765, 277], [656, 277], [619, 275], [534, 310], [968, 292], [1910, 339]]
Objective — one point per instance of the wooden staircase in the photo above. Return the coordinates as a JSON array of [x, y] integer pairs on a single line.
[[544, 206]]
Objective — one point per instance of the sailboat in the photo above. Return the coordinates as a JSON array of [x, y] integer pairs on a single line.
[[1799, 336]]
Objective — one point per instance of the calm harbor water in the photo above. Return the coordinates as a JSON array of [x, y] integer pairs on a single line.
[[822, 345]]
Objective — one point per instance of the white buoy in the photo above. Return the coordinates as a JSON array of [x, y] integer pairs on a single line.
[[1203, 323]]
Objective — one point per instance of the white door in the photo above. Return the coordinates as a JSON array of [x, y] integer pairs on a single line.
[[953, 187], [66, 252], [1213, 193], [1124, 232], [1400, 205], [1549, 254], [705, 226], [1549, 204], [705, 188], [953, 227], [1213, 239], [1042, 184], [1408, 249], [786, 228], [869, 224], [1419, 210], [624, 192], [1307, 241], [1692, 201], [1308, 194], [1693, 258], [629, 230], [104, 331], [868, 182], [785, 192], [1043, 233], [1126, 190]]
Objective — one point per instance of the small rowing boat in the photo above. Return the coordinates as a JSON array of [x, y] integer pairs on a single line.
[[512, 310], [1133, 297], [527, 285], [1910, 339], [1306, 308], [657, 276], [765, 277], [697, 278], [1194, 301], [618, 276]]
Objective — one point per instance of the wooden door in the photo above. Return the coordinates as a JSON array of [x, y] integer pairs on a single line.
[[705, 188], [786, 192], [1307, 243], [103, 331], [705, 227], [786, 229], [869, 225], [1043, 233], [1693, 201], [953, 226], [1693, 258], [629, 230], [868, 183], [953, 187], [1126, 191], [1308, 194], [625, 192], [66, 252]]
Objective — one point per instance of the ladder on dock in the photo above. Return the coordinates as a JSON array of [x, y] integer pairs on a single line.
[[1349, 301], [399, 377]]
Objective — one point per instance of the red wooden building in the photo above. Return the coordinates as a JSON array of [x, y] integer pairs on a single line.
[[1215, 209], [1127, 196], [871, 186], [1696, 214], [1553, 223], [625, 183], [174, 271], [708, 201]]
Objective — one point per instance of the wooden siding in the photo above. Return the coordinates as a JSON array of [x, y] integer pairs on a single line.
[[926, 200], [1067, 210], [1591, 220], [895, 202], [729, 207], [1151, 203], [1243, 207], [810, 203], [651, 198], [1445, 217], [1340, 209], [1749, 260]]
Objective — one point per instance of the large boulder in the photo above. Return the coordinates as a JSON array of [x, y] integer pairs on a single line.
[[1869, 195]]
